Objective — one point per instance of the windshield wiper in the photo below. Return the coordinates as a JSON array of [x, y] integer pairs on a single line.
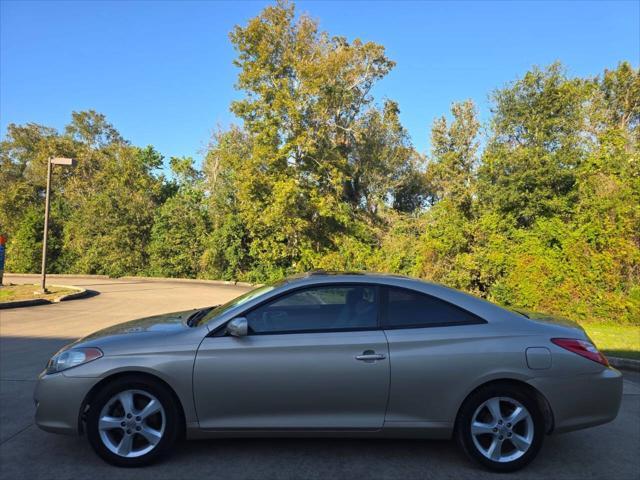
[[197, 315]]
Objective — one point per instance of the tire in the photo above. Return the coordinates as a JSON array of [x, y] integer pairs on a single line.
[[140, 421], [496, 443]]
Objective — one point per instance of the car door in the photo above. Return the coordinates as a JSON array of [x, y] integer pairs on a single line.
[[314, 358], [436, 350]]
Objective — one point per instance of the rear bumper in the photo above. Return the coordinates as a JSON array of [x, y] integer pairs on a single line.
[[582, 401], [58, 402]]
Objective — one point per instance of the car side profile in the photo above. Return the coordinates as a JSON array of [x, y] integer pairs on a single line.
[[336, 355]]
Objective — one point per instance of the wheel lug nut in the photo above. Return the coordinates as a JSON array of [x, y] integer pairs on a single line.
[[128, 431], [500, 422], [495, 429], [123, 424], [509, 434], [500, 437], [138, 429], [508, 425], [138, 419], [129, 415]]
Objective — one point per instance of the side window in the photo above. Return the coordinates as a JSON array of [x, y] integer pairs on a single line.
[[411, 309], [326, 308]]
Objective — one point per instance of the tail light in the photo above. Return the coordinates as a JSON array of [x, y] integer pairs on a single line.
[[583, 348]]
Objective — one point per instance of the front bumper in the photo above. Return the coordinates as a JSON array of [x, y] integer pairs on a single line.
[[58, 400], [582, 401]]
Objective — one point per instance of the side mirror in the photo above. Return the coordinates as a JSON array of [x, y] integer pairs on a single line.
[[238, 327]]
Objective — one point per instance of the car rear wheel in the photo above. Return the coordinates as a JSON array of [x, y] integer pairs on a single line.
[[500, 427], [132, 422]]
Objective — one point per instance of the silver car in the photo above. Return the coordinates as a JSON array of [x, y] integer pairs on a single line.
[[337, 355]]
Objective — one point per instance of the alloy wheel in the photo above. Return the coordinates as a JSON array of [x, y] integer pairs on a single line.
[[502, 429], [132, 423]]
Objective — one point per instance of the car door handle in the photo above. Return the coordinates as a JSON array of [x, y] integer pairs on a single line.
[[370, 356]]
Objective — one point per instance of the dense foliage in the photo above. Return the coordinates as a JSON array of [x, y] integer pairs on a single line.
[[542, 211]]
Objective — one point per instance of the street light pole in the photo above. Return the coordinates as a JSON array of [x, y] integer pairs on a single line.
[[3, 241], [43, 280], [70, 162]]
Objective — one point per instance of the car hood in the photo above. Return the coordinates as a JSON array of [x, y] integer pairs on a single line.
[[157, 326]]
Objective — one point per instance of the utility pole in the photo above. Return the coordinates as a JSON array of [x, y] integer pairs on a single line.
[[43, 280], [70, 162], [3, 241]]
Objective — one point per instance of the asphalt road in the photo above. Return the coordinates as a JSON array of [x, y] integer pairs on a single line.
[[29, 336]]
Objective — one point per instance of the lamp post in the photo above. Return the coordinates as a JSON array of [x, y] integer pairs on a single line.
[[69, 162], [3, 240]]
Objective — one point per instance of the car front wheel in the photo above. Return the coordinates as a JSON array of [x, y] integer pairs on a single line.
[[500, 427], [132, 422]]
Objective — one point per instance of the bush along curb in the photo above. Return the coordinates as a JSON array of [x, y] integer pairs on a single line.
[[80, 293]]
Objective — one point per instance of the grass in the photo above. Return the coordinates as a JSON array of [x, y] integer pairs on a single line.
[[616, 340], [10, 293]]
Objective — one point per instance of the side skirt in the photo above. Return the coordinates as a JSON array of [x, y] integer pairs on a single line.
[[424, 430]]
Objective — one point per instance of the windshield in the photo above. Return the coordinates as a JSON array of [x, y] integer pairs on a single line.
[[236, 302]]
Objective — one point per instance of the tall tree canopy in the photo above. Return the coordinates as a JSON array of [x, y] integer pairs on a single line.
[[102, 210], [318, 157], [538, 207]]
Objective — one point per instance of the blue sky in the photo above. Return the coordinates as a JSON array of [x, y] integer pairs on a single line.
[[161, 70]]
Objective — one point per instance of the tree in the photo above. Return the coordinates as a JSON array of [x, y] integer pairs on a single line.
[[621, 92], [447, 237], [109, 231], [25, 243], [91, 128], [454, 149], [528, 167], [588, 255], [318, 156], [180, 225], [384, 170], [23, 165], [102, 210]]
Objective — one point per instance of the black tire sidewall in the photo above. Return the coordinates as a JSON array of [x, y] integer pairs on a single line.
[[463, 426], [155, 388]]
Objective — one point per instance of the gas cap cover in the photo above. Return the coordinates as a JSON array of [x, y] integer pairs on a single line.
[[538, 358]]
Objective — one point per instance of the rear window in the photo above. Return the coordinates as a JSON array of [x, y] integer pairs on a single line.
[[410, 309]]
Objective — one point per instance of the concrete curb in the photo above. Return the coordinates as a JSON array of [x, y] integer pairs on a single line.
[[24, 303], [624, 363], [81, 293]]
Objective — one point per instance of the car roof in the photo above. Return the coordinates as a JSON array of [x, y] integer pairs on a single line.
[[327, 276], [332, 274]]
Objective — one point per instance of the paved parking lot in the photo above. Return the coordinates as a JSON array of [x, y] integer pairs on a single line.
[[29, 336]]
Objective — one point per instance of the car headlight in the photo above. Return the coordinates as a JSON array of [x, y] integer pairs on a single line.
[[72, 358]]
